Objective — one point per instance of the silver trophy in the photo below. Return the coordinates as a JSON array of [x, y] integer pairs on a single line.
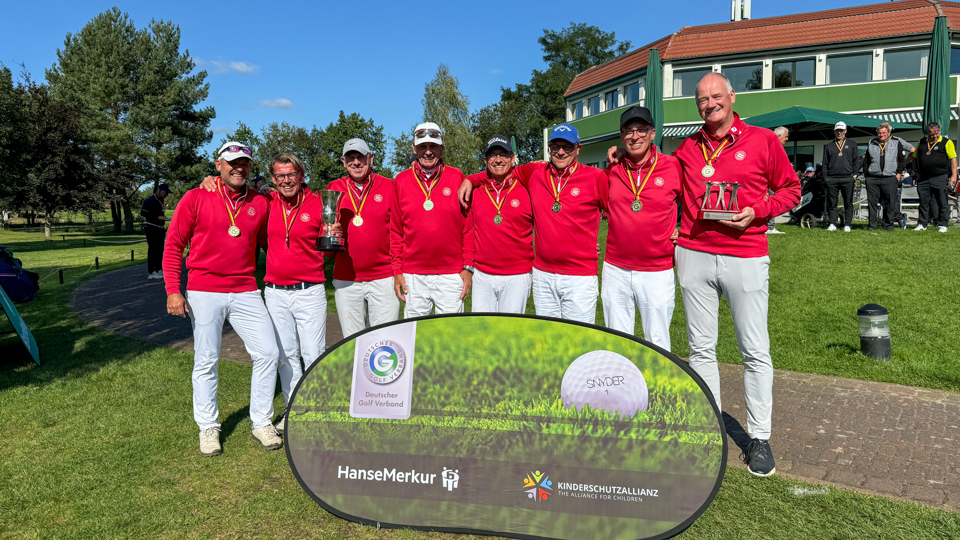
[[720, 207], [330, 243]]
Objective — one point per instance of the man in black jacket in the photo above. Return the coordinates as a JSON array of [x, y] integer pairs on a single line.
[[841, 159], [936, 160], [154, 218]]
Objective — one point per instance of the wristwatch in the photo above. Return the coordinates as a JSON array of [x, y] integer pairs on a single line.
[[468, 268]]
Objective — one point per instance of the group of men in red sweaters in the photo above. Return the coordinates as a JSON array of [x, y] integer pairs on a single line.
[[431, 235]]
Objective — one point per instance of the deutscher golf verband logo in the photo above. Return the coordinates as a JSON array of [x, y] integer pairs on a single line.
[[384, 361], [539, 486]]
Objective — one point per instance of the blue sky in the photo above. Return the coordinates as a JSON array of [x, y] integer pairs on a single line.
[[302, 62]]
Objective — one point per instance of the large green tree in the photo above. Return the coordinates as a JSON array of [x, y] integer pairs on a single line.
[[57, 160], [140, 100], [448, 107], [282, 138], [529, 108], [12, 147]]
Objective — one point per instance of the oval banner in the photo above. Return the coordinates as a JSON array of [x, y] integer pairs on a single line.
[[510, 425]]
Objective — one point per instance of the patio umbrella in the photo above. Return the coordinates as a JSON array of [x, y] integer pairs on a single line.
[[936, 96], [654, 96]]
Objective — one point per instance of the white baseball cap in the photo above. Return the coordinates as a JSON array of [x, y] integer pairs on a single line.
[[840, 125], [427, 132], [232, 150]]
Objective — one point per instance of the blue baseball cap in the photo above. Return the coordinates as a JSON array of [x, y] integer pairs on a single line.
[[566, 132], [811, 169]]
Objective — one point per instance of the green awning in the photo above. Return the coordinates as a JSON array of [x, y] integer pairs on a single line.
[[816, 124]]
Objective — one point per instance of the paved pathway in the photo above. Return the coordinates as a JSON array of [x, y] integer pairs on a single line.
[[879, 438]]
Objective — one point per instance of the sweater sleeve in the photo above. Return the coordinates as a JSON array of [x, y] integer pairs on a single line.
[[181, 230], [781, 180], [396, 232]]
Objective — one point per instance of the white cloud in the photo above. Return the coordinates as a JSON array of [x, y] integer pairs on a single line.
[[280, 103], [239, 67], [220, 129], [496, 71]]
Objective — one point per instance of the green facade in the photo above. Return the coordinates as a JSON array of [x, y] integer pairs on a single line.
[[870, 96]]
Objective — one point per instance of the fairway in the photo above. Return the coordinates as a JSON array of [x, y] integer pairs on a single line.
[[101, 443]]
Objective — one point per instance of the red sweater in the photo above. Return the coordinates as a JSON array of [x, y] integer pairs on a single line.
[[300, 261], [217, 262], [564, 242], [439, 241], [368, 246], [504, 249], [641, 240], [756, 160]]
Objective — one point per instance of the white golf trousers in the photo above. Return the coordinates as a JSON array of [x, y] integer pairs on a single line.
[[300, 321], [362, 301], [500, 294], [565, 297], [704, 278], [248, 316], [622, 291], [428, 291]]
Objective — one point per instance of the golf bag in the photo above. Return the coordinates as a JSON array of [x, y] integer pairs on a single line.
[[813, 200], [19, 284]]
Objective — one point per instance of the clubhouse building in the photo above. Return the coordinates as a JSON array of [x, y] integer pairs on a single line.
[[868, 60]]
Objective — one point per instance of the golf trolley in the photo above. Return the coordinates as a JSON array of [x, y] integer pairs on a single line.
[[813, 198]]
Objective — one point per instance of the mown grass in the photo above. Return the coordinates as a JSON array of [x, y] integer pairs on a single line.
[[100, 441]]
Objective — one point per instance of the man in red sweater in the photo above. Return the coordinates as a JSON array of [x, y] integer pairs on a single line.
[[431, 238], [503, 222], [293, 285], [730, 258], [642, 218], [362, 275], [223, 228], [566, 198]]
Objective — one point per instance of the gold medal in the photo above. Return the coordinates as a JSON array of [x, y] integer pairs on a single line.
[[707, 171], [840, 154], [497, 219], [428, 205], [357, 221], [556, 207], [234, 231], [636, 206]]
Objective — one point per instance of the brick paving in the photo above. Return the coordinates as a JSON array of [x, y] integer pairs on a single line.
[[886, 439]]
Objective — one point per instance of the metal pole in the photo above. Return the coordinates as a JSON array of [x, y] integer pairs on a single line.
[[96, 262], [131, 254], [61, 276]]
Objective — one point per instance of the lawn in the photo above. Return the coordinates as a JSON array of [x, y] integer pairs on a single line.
[[100, 442]]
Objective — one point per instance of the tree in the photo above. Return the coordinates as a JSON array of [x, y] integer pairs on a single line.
[[286, 138], [139, 103], [12, 145], [448, 107], [326, 163], [58, 162], [540, 103]]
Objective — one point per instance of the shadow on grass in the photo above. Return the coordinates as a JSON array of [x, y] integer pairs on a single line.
[[845, 347]]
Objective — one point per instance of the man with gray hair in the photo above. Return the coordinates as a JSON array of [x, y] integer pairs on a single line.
[[730, 257], [883, 164], [362, 276]]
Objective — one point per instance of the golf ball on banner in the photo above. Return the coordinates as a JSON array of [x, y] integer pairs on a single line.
[[604, 380]]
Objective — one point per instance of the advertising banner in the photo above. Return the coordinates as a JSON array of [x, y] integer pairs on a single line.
[[20, 326], [511, 425]]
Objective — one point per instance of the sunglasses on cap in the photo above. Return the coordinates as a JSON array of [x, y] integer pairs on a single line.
[[428, 134], [243, 149]]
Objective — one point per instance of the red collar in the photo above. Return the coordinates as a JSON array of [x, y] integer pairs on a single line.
[[736, 130]]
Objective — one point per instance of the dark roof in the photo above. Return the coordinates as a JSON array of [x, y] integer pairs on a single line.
[[889, 19]]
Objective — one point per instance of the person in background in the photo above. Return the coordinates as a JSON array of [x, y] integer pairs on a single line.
[[783, 134], [154, 220], [936, 160], [841, 160], [883, 164]]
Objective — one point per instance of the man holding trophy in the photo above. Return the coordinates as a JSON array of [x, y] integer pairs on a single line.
[[362, 276], [432, 241], [728, 167]]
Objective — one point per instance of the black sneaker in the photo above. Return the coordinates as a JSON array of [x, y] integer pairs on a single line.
[[759, 458]]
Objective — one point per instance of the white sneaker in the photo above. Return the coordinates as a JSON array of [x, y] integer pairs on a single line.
[[943, 229], [281, 426], [210, 442], [832, 227], [159, 274], [774, 231], [846, 228], [152, 275], [919, 228], [267, 437]]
